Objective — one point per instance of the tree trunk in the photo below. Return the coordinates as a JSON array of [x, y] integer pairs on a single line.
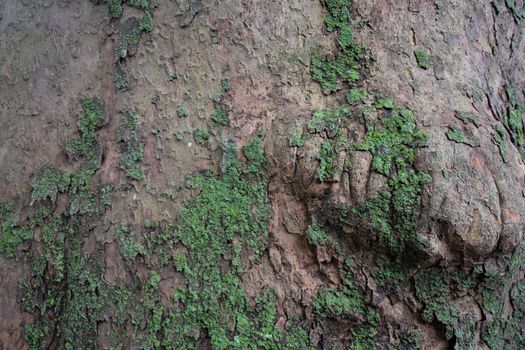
[[248, 174]]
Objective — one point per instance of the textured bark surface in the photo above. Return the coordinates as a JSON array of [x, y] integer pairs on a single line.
[[314, 243]]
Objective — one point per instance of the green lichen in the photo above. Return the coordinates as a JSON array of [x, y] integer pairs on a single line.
[[129, 248], [432, 289], [115, 8], [254, 153], [515, 117], [345, 67], [317, 235], [129, 137], [48, 182], [468, 117], [326, 157], [231, 208], [392, 215], [394, 141], [327, 120], [356, 96], [220, 116], [201, 136], [391, 274], [297, 137], [457, 135], [423, 60], [14, 235], [498, 138], [181, 112]]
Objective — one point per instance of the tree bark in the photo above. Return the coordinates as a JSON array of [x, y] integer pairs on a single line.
[[185, 174]]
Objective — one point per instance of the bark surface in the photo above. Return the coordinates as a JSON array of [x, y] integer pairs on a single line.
[[250, 174]]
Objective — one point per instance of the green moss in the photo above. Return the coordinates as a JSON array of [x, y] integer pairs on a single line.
[[463, 280], [503, 329], [338, 303], [363, 338], [201, 136], [297, 338], [466, 334], [54, 241], [33, 336], [411, 342], [349, 302], [130, 37], [105, 195], [385, 103], [128, 135], [328, 73], [220, 116], [65, 295], [90, 120], [423, 61], [517, 9], [225, 83]]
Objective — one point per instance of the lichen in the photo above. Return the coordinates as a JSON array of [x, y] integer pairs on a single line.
[[129, 137], [457, 135], [423, 61], [346, 65]]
